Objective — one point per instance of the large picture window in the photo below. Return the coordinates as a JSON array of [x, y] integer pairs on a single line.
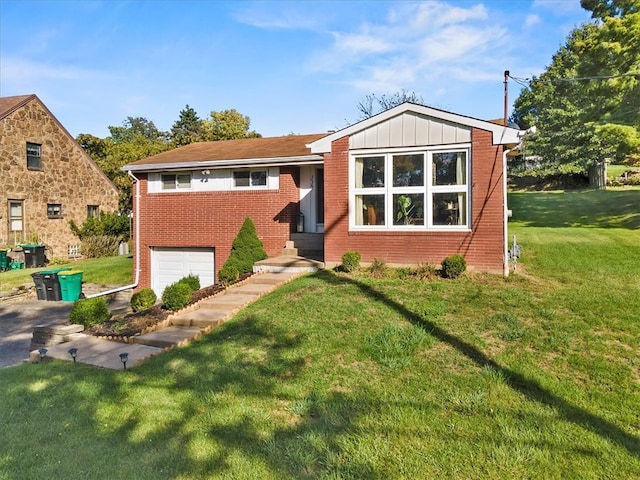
[[411, 190]]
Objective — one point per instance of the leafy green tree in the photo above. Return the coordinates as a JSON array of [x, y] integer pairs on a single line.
[[586, 105], [187, 129], [227, 125]]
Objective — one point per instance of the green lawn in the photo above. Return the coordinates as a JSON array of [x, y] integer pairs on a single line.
[[102, 271], [345, 376]]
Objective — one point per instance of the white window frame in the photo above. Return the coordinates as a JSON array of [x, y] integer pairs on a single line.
[[251, 172], [428, 189], [176, 185]]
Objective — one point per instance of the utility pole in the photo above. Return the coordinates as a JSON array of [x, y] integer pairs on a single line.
[[506, 96]]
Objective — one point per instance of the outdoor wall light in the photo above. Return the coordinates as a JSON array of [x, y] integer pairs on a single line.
[[43, 353], [123, 358], [74, 353]]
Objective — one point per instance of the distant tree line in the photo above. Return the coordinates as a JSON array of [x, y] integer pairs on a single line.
[[139, 138]]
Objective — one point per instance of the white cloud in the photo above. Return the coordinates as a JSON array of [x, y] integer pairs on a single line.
[[289, 19], [532, 20]]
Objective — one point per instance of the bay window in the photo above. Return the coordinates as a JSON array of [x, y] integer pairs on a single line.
[[414, 190]]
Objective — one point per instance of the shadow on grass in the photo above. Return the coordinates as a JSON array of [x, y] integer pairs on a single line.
[[175, 415], [526, 386]]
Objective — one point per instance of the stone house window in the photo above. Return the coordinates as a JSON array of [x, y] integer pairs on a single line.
[[16, 216], [54, 210], [34, 160], [93, 211]]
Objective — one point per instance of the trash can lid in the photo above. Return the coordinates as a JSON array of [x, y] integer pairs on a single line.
[[69, 272], [56, 270]]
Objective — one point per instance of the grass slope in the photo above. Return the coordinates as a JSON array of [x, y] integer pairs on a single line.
[[346, 376]]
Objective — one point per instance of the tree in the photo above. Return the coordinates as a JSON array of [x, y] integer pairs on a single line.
[[586, 105], [187, 129], [602, 9], [373, 104], [227, 125]]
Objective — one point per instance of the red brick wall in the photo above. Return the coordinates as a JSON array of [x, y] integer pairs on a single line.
[[482, 247], [213, 219]]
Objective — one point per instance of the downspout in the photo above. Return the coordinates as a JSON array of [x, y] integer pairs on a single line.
[[137, 246], [505, 214]]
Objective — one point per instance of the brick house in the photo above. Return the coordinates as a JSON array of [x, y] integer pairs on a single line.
[[412, 184], [47, 179]]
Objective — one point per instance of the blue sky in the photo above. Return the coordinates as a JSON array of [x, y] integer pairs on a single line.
[[291, 66]]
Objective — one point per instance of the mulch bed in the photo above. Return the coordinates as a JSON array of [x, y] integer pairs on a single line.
[[135, 323]]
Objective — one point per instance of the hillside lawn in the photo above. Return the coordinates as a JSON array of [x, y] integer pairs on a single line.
[[349, 376]]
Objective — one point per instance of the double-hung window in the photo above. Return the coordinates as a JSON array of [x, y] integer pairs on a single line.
[[54, 210], [176, 181], [250, 178], [414, 190], [34, 162]]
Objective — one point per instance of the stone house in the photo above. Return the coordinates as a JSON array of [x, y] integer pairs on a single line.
[[46, 179], [412, 184]]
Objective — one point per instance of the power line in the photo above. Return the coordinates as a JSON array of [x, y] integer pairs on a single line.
[[526, 82]]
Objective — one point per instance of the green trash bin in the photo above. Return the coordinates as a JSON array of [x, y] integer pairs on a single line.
[[4, 260], [51, 283], [70, 285]]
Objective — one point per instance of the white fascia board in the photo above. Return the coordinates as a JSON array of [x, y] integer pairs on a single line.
[[219, 164], [501, 135]]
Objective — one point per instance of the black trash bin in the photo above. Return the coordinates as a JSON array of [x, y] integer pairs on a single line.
[[33, 256], [41, 289], [53, 292]]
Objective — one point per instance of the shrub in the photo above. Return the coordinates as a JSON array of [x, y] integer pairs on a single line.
[[246, 249], [453, 266], [90, 311], [95, 246], [350, 261], [176, 296], [378, 268], [228, 275], [193, 281], [143, 299]]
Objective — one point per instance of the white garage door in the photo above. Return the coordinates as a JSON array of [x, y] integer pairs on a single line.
[[168, 265]]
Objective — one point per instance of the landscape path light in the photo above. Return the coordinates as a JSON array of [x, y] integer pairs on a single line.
[[74, 353], [123, 358]]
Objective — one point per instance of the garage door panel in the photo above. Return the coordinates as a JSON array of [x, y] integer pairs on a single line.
[[171, 264]]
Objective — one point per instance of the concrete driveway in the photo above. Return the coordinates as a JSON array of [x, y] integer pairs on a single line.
[[17, 320]]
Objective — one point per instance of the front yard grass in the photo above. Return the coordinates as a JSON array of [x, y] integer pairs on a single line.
[[117, 270], [347, 376]]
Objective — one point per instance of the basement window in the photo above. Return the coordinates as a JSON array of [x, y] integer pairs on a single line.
[[54, 210]]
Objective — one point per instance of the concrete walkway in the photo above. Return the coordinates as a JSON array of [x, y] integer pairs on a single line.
[[184, 327]]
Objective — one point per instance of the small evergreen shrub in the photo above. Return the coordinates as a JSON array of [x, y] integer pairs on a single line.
[[453, 266], [246, 249], [228, 275], [350, 261], [143, 299], [90, 311], [193, 281], [176, 296]]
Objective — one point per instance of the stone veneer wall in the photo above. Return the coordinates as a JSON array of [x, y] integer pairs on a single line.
[[68, 177]]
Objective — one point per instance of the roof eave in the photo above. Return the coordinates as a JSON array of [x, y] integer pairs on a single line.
[[219, 164]]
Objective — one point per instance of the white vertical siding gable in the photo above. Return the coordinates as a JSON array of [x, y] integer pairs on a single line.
[[410, 129]]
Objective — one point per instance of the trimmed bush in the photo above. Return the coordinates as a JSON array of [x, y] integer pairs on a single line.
[[246, 249], [350, 261], [143, 299], [176, 296], [453, 266], [228, 275], [193, 281], [90, 311]]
